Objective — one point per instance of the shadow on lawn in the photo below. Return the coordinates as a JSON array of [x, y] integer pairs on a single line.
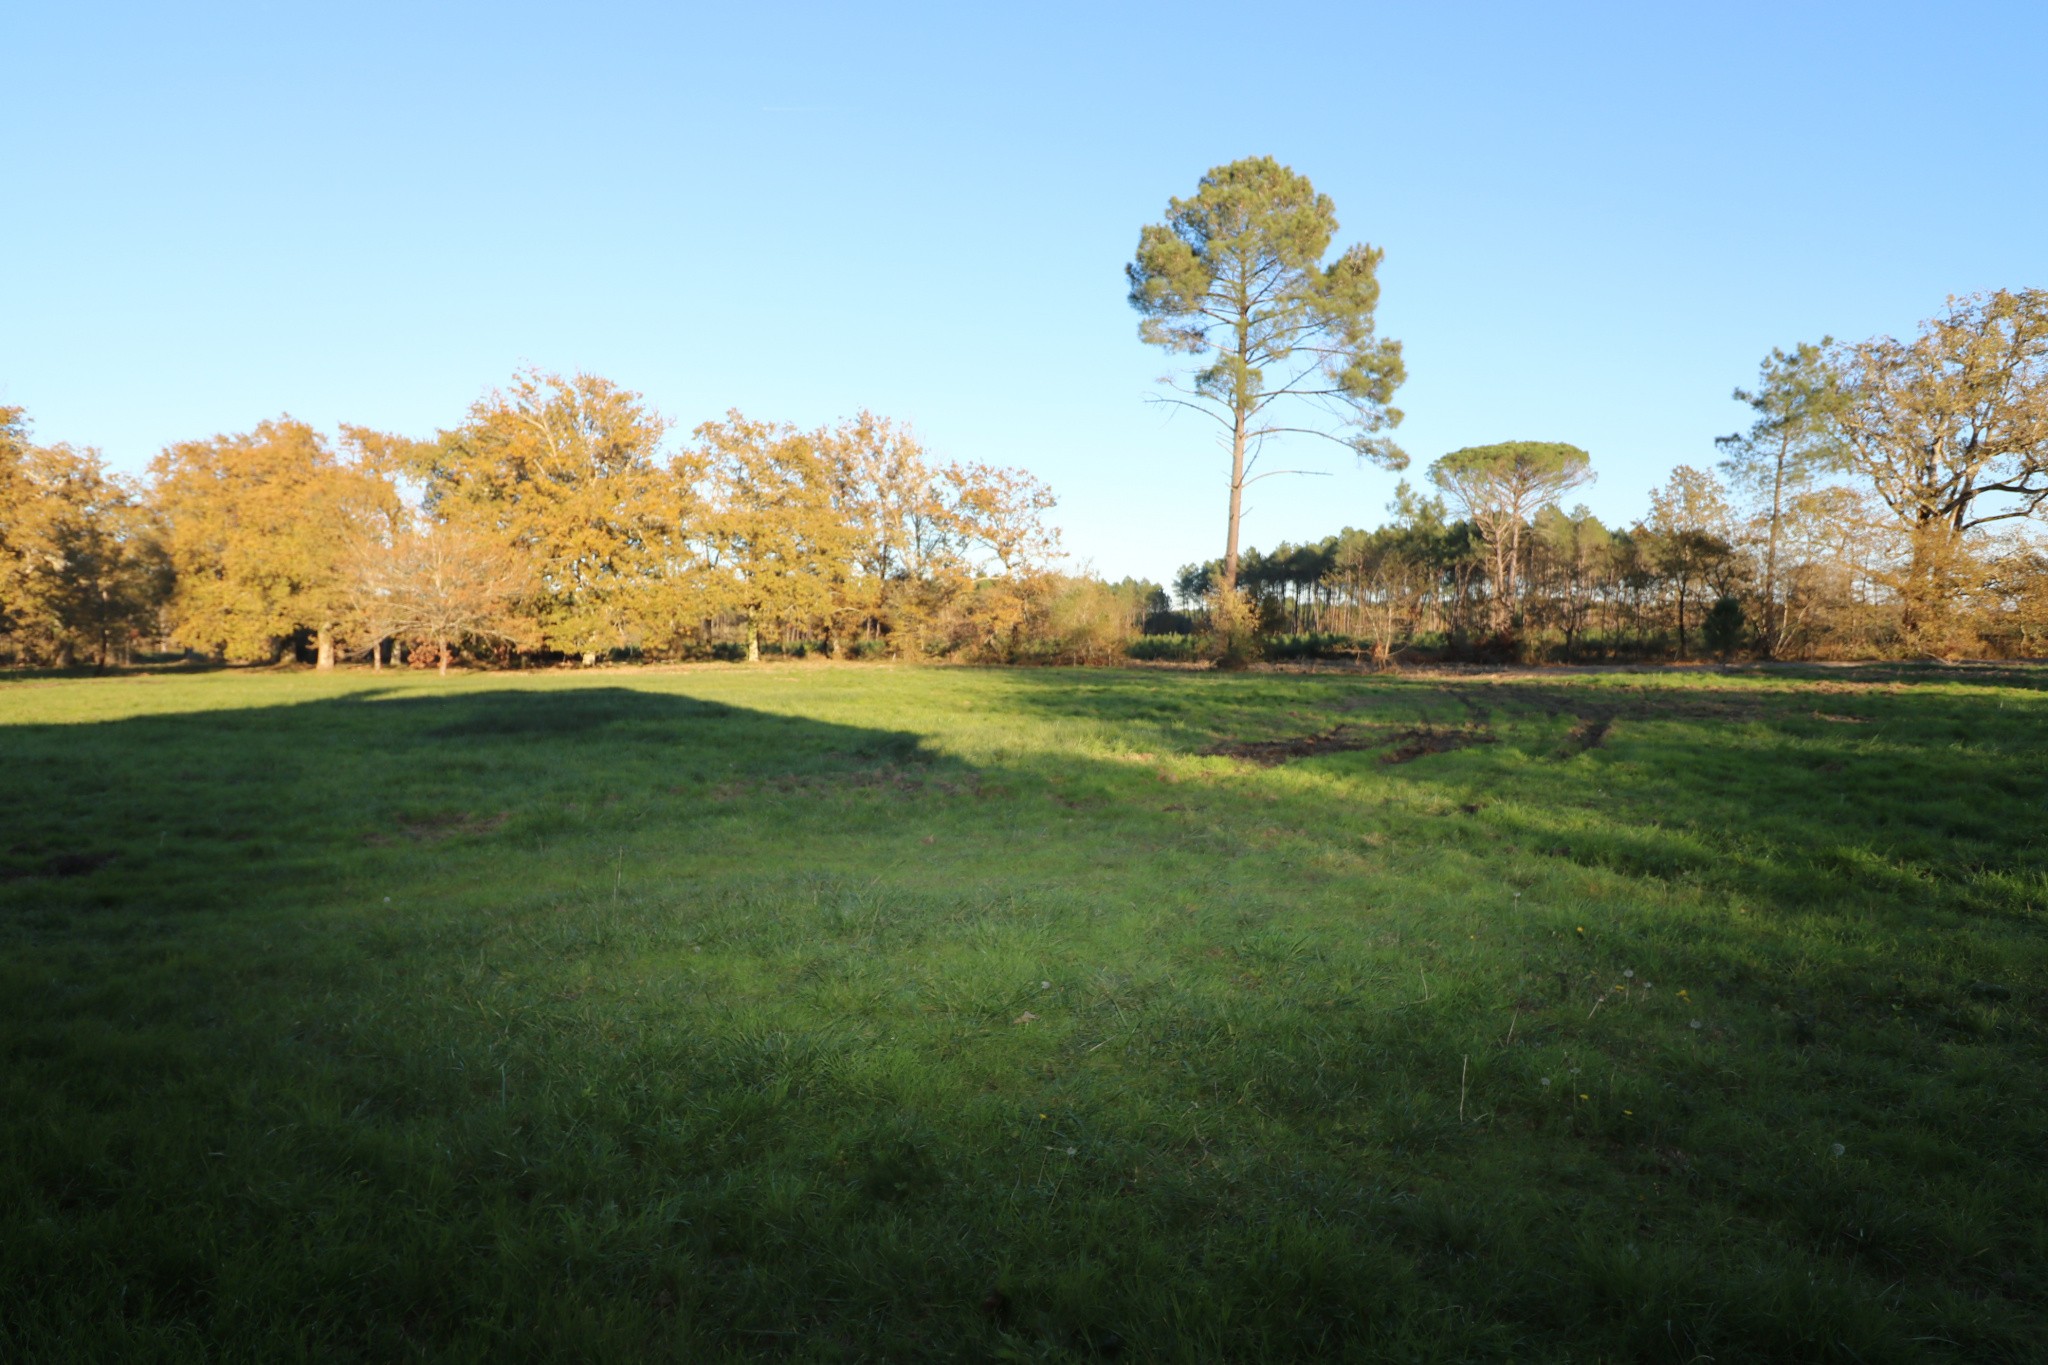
[[214, 808]]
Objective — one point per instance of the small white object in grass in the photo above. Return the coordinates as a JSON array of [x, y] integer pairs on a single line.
[[1837, 1150], [1545, 1082], [1629, 972], [1697, 1024], [1045, 985], [1070, 1151], [387, 900]]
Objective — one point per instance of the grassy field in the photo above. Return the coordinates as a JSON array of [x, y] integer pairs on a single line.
[[861, 1013]]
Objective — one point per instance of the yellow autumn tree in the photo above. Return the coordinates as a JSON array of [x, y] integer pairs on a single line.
[[778, 542], [998, 567], [567, 470], [902, 537], [852, 526], [439, 586], [82, 572], [260, 528]]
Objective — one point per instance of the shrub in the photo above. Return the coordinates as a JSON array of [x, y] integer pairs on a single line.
[[1168, 623], [1087, 621], [1723, 627], [1233, 641], [1313, 645], [1184, 648]]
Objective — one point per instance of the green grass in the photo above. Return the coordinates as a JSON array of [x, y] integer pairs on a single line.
[[861, 1013]]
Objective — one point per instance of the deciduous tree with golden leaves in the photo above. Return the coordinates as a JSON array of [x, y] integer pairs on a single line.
[[1950, 430], [260, 528], [568, 470], [82, 572], [779, 535]]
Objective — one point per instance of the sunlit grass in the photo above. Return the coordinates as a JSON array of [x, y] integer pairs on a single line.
[[865, 1013]]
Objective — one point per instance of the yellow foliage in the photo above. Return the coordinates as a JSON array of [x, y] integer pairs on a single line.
[[259, 528]]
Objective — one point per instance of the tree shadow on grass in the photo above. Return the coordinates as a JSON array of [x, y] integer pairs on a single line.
[[226, 808]]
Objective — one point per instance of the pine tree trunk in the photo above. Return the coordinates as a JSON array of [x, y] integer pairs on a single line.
[[1237, 441], [1774, 634]]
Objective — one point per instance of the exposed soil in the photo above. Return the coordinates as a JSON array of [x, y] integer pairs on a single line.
[[1269, 752], [1410, 745], [1589, 733]]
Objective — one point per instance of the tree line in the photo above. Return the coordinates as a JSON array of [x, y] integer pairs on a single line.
[[1885, 500], [1887, 496], [553, 521]]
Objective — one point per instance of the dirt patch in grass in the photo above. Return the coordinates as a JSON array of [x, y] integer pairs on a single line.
[[1269, 753], [1425, 740], [1589, 733]]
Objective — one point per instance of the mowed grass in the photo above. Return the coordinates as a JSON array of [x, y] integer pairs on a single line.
[[860, 1013]]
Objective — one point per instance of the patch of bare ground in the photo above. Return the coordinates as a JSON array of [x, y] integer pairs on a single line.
[[1589, 733], [1424, 740], [1269, 753]]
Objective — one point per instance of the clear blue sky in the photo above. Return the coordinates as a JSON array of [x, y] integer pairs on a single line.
[[1596, 219]]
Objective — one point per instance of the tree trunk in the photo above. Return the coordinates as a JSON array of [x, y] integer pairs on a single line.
[[324, 641], [753, 642], [444, 657], [1236, 503], [1497, 609], [376, 656], [1774, 619]]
